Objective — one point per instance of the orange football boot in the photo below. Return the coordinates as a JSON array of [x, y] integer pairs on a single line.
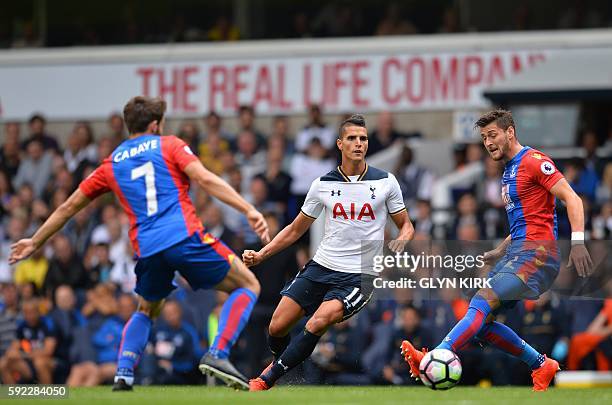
[[257, 384], [413, 357], [543, 376]]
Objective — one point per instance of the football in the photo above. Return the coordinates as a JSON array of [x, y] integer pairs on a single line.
[[440, 369]]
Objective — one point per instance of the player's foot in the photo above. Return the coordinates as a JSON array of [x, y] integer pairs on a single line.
[[123, 380], [413, 357], [121, 385], [543, 376], [224, 370], [257, 384]]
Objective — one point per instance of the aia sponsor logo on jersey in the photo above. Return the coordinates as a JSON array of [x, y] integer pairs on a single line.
[[366, 211]]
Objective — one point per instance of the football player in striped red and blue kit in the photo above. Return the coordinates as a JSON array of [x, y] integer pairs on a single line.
[[528, 260], [150, 175]]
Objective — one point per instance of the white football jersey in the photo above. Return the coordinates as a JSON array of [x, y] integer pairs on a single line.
[[355, 217]]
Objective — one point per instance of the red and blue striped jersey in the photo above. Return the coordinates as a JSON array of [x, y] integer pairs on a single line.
[[147, 175], [526, 183]]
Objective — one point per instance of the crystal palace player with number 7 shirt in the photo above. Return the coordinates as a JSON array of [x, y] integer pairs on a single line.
[[150, 175], [528, 260], [337, 282]]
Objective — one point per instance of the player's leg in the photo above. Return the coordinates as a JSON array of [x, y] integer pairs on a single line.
[[154, 277], [481, 305], [302, 346], [134, 340], [243, 289], [285, 316], [340, 302], [509, 287]]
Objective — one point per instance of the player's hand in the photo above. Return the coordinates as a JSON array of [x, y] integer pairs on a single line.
[[21, 250], [251, 258], [492, 256], [259, 225], [580, 259], [397, 245]]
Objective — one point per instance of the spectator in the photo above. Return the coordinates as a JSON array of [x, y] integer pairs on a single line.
[[246, 122], [214, 144], [415, 181], [423, 224], [15, 230], [281, 134], [35, 169], [223, 30], [9, 152], [384, 135], [591, 341], [37, 125], [602, 223], [467, 218], [190, 133], [277, 181], [450, 21], [259, 199], [212, 218], [337, 356], [305, 168], [301, 26], [249, 159], [65, 267], [315, 128], [98, 264], [409, 327], [174, 348], [66, 319], [105, 338], [6, 195], [31, 354], [117, 134], [272, 275], [604, 191], [393, 22], [32, 270], [81, 147], [544, 323], [80, 229], [9, 310], [582, 179]]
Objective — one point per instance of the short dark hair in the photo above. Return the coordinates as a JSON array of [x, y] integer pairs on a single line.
[[502, 118], [246, 108], [140, 111], [355, 120], [37, 117]]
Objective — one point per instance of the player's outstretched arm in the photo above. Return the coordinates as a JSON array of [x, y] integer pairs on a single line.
[[217, 187], [403, 223], [25, 247], [579, 255], [285, 238]]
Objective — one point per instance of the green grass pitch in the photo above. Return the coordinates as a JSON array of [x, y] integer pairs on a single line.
[[174, 395]]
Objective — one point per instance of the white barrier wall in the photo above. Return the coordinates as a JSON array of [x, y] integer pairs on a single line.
[[419, 73]]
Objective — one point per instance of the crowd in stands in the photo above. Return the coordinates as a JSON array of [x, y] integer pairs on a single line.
[[62, 310], [191, 22]]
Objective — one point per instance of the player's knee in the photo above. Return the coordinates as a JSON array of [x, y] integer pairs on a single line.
[[319, 323], [276, 328]]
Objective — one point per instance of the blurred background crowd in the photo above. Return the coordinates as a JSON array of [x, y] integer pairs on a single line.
[[67, 304], [36, 23]]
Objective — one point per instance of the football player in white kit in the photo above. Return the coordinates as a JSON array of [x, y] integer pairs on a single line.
[[337, 282]]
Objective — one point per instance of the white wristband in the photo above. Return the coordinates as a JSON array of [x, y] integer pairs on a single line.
[[577, 238]]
